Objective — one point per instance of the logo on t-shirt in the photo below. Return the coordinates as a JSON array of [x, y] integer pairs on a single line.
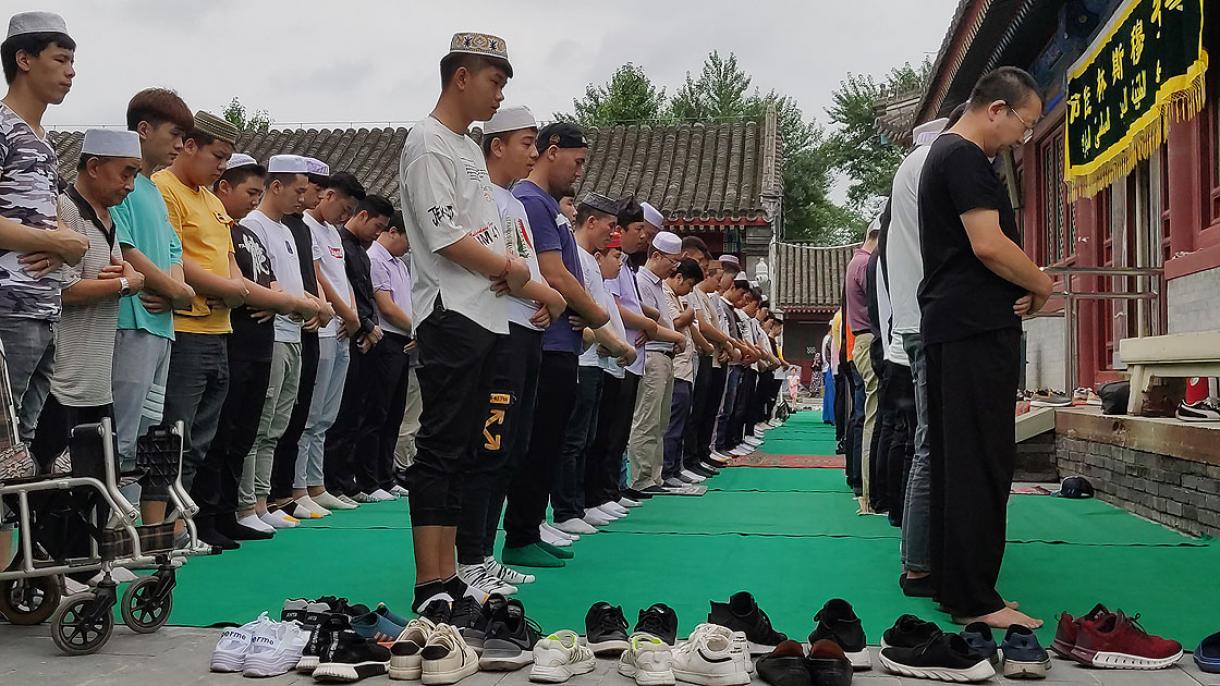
[[336, 251]]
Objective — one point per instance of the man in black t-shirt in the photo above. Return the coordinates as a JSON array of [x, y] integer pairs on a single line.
[[977, 285]]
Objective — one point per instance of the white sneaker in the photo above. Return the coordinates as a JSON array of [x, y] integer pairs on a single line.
[[478, 577], [576, 526], [614, 508], [741, 650], [553, 537], [364, 498], [446, 658], [277, 654], [707, 658], [741, 451], [560, 657], [719, 458], [647, 660], [674, 482], [560, 533], [349, 501], [508, 574], [752, 441], [255, 522], [333, 502], [313, 505], [406, 661], [775, 423], [382, 496], [230, 652], [628, 502], [399, 491], [279, 520], [596, 517], [693, 477]]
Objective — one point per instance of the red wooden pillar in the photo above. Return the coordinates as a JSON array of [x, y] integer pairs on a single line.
[[1186, 183]]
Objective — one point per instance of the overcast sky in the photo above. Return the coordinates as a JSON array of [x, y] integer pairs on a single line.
[[352, 61]]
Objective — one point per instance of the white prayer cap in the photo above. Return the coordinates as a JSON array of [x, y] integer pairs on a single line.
[[36, 22], [510, 119], [926, 133], [111, 143], [287, 164], [653, 216], [668, 243], [730, 259], [240, 159], [317, 167]]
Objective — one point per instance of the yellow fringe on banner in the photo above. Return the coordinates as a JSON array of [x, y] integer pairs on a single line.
[[1174, 104]]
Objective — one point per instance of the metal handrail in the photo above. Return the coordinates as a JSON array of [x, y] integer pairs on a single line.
[[1152, 295]]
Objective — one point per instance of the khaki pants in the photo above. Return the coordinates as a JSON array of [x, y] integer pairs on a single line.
[[277, 410], [864, 362], [404, 450], [645, 450]]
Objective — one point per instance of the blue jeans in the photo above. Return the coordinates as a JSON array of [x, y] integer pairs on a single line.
[[29, 352], [915, 513], [679, 409], [726, 409], [333, 358]]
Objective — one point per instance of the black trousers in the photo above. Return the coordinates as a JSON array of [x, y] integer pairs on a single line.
[[286, 450], [217, 480], [338, 461], [841, 409], [698, 407], [971, 384], [54, 430], [705, 421], [897, 444], [604, 458], [383, 379], [531, 485], [743, 406], [454, 385], [568, 493], [518, 358], [879, 447]]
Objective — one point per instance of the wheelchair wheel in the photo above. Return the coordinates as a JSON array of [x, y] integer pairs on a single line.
[[79, 626], [145, 608], [26, 602]]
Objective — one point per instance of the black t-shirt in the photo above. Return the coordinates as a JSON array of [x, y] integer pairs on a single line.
[[305, 253], [959, 296], [251, 339]]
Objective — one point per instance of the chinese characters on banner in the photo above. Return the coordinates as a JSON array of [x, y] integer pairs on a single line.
[[1144, 70]]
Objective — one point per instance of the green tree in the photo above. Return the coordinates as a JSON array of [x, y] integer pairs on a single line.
[[237, 115], [629, 96], [856, 148], [722, 92]]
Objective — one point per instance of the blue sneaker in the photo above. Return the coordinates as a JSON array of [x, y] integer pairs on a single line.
[[1207, 655], [1024, 657], [375, 626], [385, 612], [982, 643]]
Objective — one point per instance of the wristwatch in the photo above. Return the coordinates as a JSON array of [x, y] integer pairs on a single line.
[[124, 287]]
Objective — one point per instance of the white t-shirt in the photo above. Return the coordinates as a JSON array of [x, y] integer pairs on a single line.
[[447, 195], [520, 240], [904, 263], [328, 252], [610, 364], [891, 342], [282, 250], [596, 287]]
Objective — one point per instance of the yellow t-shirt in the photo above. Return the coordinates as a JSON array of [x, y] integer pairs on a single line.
[[203, 226]]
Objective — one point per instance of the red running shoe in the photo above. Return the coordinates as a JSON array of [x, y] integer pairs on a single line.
[[1119, 642], [1069, 629]]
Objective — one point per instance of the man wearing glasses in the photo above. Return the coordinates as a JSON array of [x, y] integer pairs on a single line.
[[977, 285]]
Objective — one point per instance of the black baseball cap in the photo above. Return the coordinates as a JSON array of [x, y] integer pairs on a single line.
[[561, 134], [1075, 487]]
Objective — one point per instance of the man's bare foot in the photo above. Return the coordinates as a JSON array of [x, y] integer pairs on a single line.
[[1002, 619], [1012, 604]]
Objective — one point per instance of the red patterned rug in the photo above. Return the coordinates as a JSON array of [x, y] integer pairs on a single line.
[[795, 461]]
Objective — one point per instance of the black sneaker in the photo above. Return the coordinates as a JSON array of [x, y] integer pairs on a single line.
[[655, 490], [510, 639], [702, 471], [978, 636], [205, 530], [470, 619], [322, 638], [438, 611], [352, 658], [661, 621], [909, 631], [785, 666], [306, 613], [837, 622], [342, 606], [741, 613], [606, 629], [636, 495], [944, 657]]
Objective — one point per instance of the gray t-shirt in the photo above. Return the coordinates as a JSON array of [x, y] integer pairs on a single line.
[[29, 179], [282, 249], [84, 340]]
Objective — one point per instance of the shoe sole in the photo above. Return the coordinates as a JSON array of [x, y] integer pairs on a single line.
[[647, 678], [406, 667], [1026, 670], [860, 660], [261, 668], [308, 663], [729, 679], [759, 648], [449, 676], [980, 672], [559, 674], [505, 659], [1108, 660], [612, 647], [335, 672], [226, 665], [1062, 648]]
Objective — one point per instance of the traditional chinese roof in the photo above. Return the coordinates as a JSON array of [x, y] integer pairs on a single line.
[[704, 177], [896, 116], [809, 279]]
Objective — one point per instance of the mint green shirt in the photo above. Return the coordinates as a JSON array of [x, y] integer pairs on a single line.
[[141, 222]]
